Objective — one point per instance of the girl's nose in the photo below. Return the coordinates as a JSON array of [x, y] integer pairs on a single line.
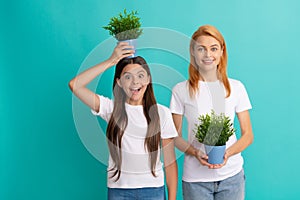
[[135, 80]]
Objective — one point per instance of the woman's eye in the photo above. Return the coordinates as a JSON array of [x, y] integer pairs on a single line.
[[201, 49], [141, 76], [214, 49]]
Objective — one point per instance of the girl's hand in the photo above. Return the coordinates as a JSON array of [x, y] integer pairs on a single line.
[[121, 51]]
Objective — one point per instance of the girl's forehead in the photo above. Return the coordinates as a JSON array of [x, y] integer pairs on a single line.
[[133, 68]]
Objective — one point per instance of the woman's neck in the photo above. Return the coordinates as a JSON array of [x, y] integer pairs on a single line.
[[210, 76]]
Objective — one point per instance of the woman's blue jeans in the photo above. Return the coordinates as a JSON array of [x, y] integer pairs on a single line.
[[232, 188]]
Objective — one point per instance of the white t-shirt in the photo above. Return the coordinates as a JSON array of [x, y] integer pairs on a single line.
[[210, 96], [135, 168]]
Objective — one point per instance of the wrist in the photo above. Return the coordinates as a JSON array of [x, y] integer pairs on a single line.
[[195, 152], [228, 153], [109, 63]]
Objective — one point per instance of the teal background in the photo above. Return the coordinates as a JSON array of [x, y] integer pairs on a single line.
[[44, 42]]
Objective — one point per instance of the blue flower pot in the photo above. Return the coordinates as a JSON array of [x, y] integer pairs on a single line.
[[132, 42], [215, 154]]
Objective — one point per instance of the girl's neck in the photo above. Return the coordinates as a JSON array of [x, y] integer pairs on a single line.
[[134, 103]]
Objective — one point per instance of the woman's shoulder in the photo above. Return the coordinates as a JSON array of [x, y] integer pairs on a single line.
[[235, 82], [181, 85], [237, 86]]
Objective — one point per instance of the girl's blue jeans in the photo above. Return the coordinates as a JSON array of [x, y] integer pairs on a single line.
[[151, 193]]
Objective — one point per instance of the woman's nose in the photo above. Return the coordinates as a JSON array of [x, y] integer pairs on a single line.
[[207, 53]]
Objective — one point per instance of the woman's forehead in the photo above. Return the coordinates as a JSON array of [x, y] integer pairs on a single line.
[[207, 41]]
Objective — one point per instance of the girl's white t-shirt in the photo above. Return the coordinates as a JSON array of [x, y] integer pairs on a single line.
[[211, 95], [135, 168]]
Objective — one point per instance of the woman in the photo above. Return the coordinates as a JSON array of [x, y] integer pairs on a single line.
[[137, 125], [208, 88]]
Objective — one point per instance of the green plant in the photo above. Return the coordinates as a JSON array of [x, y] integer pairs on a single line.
[[213, 129], [125, 26]]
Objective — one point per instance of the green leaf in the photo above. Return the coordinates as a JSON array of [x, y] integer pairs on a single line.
[[125, 26], [214, 129]]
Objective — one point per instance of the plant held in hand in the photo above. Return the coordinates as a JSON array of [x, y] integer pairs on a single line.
[[213, 129], [125, 26]]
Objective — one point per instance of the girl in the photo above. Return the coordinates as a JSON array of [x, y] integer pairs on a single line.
[[207, 88], [137, 126]]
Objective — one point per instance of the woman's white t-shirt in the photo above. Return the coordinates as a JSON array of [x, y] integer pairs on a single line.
[[211, 95], [135, 168]]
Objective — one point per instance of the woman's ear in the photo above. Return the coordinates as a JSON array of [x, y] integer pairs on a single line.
[[192, 51]]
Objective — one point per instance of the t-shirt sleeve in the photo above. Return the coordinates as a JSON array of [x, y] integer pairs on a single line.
[[106, 108], [176, 103], [168, 129], [243, 99]]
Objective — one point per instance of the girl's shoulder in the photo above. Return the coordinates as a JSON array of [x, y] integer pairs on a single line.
[[163, 111], [162, 108]]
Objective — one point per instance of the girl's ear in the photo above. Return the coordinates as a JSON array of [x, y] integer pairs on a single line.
[[148, 81], [119, 83]]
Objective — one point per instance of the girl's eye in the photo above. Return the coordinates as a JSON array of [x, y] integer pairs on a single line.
[[127, 77], [141, 76]]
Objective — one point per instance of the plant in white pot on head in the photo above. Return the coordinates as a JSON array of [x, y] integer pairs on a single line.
[[214, 131], [125, 27]]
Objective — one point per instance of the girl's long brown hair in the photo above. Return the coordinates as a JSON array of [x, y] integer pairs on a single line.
[[118, 121], [194, 74]]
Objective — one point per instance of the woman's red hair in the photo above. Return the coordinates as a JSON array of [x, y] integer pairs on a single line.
[[194, 74]]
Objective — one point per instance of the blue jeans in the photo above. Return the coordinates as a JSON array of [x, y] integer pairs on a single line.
[[232, 188], [151, 193]]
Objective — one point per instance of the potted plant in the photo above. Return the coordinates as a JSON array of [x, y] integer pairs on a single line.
[[125, 27], [214, 131]]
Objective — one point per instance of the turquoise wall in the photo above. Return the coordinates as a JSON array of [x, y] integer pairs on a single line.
[[43, 44]]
